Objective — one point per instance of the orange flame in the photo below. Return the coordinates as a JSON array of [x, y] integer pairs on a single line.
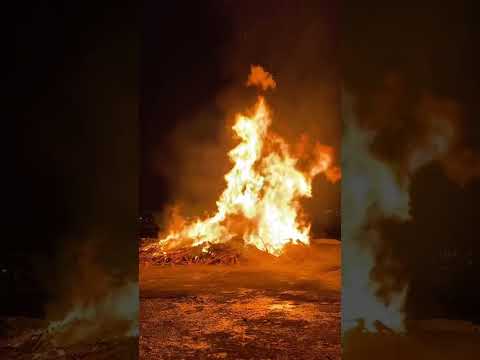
[[260, 78]]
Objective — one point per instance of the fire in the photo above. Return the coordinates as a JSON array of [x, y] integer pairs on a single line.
[[261, 202]]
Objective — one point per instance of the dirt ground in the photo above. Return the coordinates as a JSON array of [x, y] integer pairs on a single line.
[[284, 311]]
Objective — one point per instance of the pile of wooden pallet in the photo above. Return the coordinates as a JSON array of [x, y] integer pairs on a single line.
[[210, 254]]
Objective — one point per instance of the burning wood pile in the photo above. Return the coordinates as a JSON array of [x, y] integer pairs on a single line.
[[214, 254], [231, 253], [237, 253], [261, 204]]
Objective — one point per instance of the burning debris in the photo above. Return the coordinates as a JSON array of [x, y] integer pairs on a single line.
[[231, 253], [235, 253], [261, 203], [212, 254]]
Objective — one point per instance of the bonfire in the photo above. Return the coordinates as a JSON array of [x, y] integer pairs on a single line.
[[260, 208]]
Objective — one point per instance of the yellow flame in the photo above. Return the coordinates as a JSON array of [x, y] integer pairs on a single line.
[[261, 201]]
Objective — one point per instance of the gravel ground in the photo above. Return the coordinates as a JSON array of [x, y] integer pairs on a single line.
[[242, 312]]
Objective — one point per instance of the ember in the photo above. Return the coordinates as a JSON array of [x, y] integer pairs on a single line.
[[220, 254], [215, 254]]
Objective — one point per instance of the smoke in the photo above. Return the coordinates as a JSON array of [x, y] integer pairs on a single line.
[[194, 163], [94, 303]]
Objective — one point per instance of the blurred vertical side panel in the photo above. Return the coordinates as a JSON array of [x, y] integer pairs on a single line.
[[68, 258], [411, 181]]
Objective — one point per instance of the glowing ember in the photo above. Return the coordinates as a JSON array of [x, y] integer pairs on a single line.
[[261, 201]]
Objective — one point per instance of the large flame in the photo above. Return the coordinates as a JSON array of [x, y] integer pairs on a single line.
[[261, 201]]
